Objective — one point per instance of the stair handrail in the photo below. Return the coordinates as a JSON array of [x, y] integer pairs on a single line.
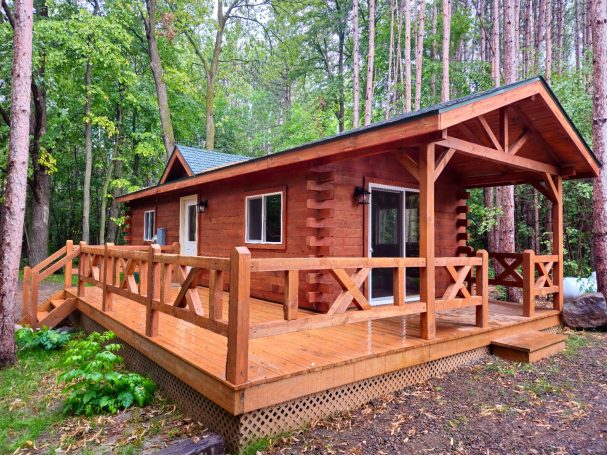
[[32, 276]]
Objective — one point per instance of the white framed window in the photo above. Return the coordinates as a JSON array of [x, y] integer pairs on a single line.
[[149, 225], [264, 218]]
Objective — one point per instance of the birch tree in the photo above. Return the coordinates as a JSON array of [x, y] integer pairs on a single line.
[[407, 55], [419, 53], [356, 68], [599, 135], [446, 46], [370, 61], [13, 214]]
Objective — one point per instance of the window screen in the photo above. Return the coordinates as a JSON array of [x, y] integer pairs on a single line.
[[148, 225], [264, 218]]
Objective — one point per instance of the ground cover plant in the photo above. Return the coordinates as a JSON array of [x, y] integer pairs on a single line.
[[95, 383], [44, 338]]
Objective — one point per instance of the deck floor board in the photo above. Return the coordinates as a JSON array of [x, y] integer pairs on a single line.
[[282, 356]]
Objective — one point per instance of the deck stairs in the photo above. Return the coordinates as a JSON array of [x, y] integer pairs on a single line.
[[528, 347], [54, 309]]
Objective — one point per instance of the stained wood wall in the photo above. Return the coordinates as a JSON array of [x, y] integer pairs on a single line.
[[322, 218]]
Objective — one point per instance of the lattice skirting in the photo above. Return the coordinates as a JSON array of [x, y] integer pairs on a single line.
[[238, 431]]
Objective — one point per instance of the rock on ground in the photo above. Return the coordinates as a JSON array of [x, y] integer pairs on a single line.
[[588, 311]]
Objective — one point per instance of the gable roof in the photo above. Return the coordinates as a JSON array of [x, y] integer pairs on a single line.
[[197, 160], [429, 120]]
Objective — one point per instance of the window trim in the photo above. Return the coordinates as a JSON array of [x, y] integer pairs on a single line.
[[145, 239], [262, 194]]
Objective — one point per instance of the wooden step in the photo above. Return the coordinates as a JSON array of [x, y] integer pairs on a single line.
[[57, 314], [529, 346]]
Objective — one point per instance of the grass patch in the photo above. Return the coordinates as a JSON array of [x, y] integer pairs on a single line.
[[28, 398], [541, 386], [508, 368], [576, 341]]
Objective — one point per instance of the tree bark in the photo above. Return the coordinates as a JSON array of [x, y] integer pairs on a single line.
[[88, 154], [356, 70], [390, 58], [407, 55], [419, 54], [433, 49], [599, 142], [149, 24], [548, 39], [13, 215], [446, 46], [506, 193], [370, 61], [495, 39], [212, 77], [111, 167]]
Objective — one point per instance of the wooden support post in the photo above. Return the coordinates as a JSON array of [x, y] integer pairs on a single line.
[[81, 270], [482, 289], [398, 281], [151, 315], [67, 270], [528, 283], [426, 243], [557, 243], [237, 364], [216, 295], [108, 270], [27, 286], [291, 303], [33, 303]]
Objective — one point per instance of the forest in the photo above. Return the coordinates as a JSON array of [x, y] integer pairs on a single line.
[[116, 83]]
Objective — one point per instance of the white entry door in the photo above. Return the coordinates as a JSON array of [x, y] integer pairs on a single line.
[[188, 230]]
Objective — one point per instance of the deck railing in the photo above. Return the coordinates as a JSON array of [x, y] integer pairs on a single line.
[[535, 274], [114, 270]]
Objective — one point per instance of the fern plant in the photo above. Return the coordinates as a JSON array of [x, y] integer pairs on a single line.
[[44, 338], [95, 383]]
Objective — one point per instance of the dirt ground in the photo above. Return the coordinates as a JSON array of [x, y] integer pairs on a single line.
[[558, 406], [45, 289]]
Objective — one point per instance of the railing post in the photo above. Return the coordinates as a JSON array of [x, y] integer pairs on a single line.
[[67, 270], [557, 243], [108, 271], [291, 303], [482, 289], [427, 240], [26, 296], [81, 270], [237, 363], [33, 299], [398, 283], [528, 283], [151, 315]]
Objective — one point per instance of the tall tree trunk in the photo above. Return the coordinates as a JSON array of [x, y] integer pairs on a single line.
[[108, 177], [356, 69], [390, 58], [548, 39], [506, 193], [495, 40], [212, 77], [446, 46], [149, 23], [40, 198], [13, 214], [419, 54], [541, 25], [88, 153], [370, 61], [576, 35], [398, 67], [340, 72], [599, 142], [407, 55], [434, 48]]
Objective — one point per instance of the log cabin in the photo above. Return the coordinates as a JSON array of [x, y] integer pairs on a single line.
[[263, 292]]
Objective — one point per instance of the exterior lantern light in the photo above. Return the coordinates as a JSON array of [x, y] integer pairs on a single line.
[[202, 206], [361, 195]]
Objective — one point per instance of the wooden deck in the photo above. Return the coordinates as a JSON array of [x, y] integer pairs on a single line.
[[291, 365]]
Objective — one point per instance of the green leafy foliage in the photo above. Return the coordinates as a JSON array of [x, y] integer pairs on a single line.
[[44, 338], [95, 383]]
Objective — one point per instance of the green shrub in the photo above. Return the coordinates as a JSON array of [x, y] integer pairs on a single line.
[[44, 338], [94, 384]]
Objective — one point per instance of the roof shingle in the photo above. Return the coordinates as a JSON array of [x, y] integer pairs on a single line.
[[201, 160]]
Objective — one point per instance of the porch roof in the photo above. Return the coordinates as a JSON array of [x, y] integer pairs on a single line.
[[537, 136]]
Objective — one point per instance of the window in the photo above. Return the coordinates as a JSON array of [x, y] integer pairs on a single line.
[[264, 218], [149, 221]]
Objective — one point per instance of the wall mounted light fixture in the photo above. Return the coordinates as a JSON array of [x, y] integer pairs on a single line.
[[361, 195]]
